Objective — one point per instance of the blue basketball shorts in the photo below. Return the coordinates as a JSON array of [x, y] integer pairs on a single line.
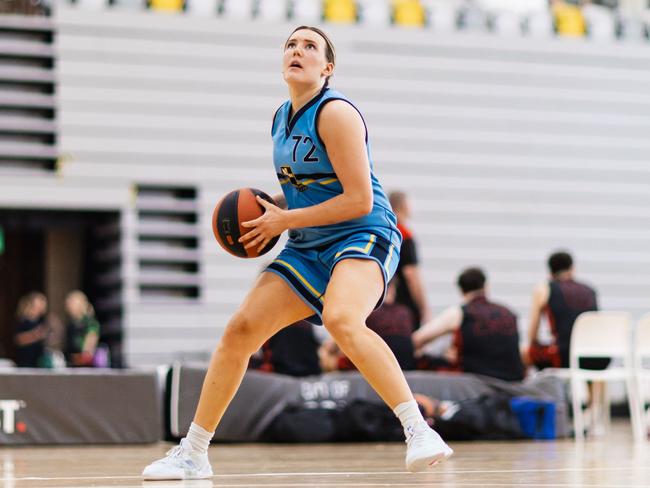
[[308, 271]]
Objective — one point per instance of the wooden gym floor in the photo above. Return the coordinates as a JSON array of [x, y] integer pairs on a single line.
[[614, 461]]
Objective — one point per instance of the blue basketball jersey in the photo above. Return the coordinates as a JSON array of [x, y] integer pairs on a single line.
[[308, 178]]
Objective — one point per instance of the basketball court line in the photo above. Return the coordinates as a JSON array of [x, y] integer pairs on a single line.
[[347, 473], [209, 484], [424, 483]]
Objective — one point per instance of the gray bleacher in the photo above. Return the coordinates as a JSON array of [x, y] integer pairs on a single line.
[[27, 105], [509, 148]]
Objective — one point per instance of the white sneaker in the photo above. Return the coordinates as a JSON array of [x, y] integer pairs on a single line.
[[181, 463], [425, 448]]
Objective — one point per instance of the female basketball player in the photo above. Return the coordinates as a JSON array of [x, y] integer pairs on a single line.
[[343, 248]]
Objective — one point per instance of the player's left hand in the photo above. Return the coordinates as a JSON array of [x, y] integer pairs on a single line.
[[264, 228]]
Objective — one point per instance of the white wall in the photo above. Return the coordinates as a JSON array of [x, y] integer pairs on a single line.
[[509, 149]]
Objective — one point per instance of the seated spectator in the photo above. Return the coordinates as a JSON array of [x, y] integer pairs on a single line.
[[393, 322], [82, 331], [561, 299], [31, 331], [292, 351], [486, 338], [439, 355]]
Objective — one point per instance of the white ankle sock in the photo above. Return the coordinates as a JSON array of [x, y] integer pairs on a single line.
[[408, 413], [199, 438]]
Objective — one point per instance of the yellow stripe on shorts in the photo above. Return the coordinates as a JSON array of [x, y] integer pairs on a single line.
[[313, 290], [364, 250], [390, 256]]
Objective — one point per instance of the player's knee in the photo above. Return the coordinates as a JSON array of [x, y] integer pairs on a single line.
[[240, 334], [341, 326]]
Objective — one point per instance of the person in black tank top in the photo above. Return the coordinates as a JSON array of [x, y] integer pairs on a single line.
[[562, 300], [486, 337]]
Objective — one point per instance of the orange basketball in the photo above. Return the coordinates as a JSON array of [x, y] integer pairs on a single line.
[[236, 207]]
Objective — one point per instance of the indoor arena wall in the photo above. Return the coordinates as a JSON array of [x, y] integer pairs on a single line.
[[509, 149]]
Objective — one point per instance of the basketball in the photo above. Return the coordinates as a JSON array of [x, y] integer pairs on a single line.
[[236, 207]]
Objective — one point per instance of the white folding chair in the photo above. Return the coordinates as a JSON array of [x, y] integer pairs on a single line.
[[129, 4], [516, 6], [473, 17], [507, 24], [602, 334], [375, 13], [642, 373], [92, 4], [600, 21], [238, 9], [272, 10], [633, 29], [540, 25], [308, 11], [443, 14], [202, 8]]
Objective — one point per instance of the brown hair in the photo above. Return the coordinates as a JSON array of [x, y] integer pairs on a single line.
[[26, 302], [397, 199], [81, 297], [330, 52]]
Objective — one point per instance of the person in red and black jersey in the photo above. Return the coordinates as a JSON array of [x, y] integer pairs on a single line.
[[410, 287], [561, 299], [393, 322], [486, 338], [292, 351]]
